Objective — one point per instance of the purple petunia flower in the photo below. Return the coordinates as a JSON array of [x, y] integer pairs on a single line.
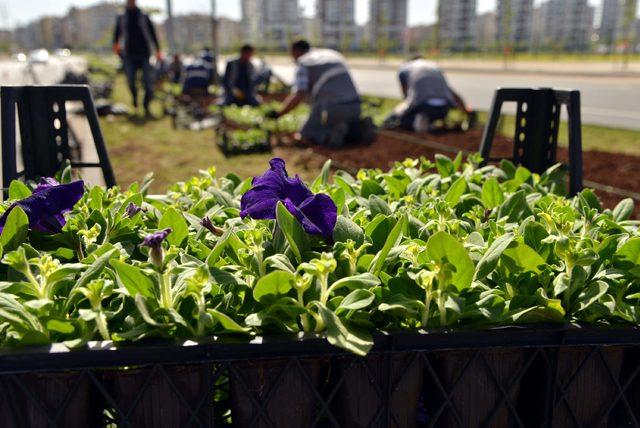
[[132, 209], [48, 204], [156, 238], [154, 241], [45, 183], [208, 224], [316, 213]]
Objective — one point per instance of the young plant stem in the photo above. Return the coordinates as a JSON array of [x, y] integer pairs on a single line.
[[304, 318], [102, 326], [566, 298], [165, 291], [427, 305]]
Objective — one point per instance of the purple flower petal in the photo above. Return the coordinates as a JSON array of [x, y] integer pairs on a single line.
[[132, 209], [46, 207], [155, 239], [318, 214], [45, 183], [269, 188]]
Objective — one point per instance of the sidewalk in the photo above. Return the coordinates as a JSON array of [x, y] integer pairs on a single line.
[[576, 68]]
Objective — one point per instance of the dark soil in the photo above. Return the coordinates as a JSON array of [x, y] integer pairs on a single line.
[[610, 169]]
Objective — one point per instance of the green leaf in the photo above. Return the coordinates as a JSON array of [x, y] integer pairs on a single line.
[[18, 190], [218, 249], [227, 322], [16, 229], [370, 187], [623, 210], [179, 229], [489, 260], [442, 247], [347, 229], [378, 206], [591, 294], [523, 258], [392, 241], [322, 179], [456, 191], [515, 208], [492, 195], [357, 299], [292, 230], [352, 340], [628, 255], [133, 279], [363, 280], [59, 326], [445, 166], [273, 284]]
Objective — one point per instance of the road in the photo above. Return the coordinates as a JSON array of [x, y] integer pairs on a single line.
[[606, 101]]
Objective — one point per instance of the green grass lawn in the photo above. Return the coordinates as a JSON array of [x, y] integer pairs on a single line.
[[138, 146]]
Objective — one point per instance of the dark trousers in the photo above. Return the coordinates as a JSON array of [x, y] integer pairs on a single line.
[[131, 66]]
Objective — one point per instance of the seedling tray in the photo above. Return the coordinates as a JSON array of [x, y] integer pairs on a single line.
[[539, 375]]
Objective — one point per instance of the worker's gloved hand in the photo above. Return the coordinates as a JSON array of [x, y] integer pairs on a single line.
[[117, 49], [272, 114], [238, 94]]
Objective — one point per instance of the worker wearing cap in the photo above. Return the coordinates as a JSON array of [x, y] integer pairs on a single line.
[[427, 96], [323, 79]]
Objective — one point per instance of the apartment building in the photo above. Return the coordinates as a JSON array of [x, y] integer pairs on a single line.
[[337, 22], [387, 29], [563, 25], [271, 23], [611, 22], [486, 31], [514, 19], [457, 24]]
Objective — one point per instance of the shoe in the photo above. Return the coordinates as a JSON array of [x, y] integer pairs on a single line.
[[338, 135]]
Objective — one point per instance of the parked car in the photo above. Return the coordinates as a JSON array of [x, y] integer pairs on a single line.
[[39, 56]]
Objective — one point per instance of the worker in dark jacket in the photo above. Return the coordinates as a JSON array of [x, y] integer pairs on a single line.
[[240, 80], [135, 29]]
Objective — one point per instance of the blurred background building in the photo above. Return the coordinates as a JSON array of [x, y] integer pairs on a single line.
[[271, 23], [337, 22], [457, 25], [387, 27], [514, 20], [513, 25]]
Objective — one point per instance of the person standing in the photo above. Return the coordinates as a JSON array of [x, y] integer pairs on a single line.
[[135, 30], [323, 78]]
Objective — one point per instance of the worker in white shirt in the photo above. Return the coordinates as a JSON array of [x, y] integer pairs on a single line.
[[427, 97], [323, 78]]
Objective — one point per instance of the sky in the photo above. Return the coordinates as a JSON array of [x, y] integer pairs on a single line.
[[16, 12]]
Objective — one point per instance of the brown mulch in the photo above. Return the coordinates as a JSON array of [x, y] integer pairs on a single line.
[[611, 169]]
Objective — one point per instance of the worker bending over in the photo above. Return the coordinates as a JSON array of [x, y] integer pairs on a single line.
[[240, 80], [427, 97], [323, 79], [195, 79]]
